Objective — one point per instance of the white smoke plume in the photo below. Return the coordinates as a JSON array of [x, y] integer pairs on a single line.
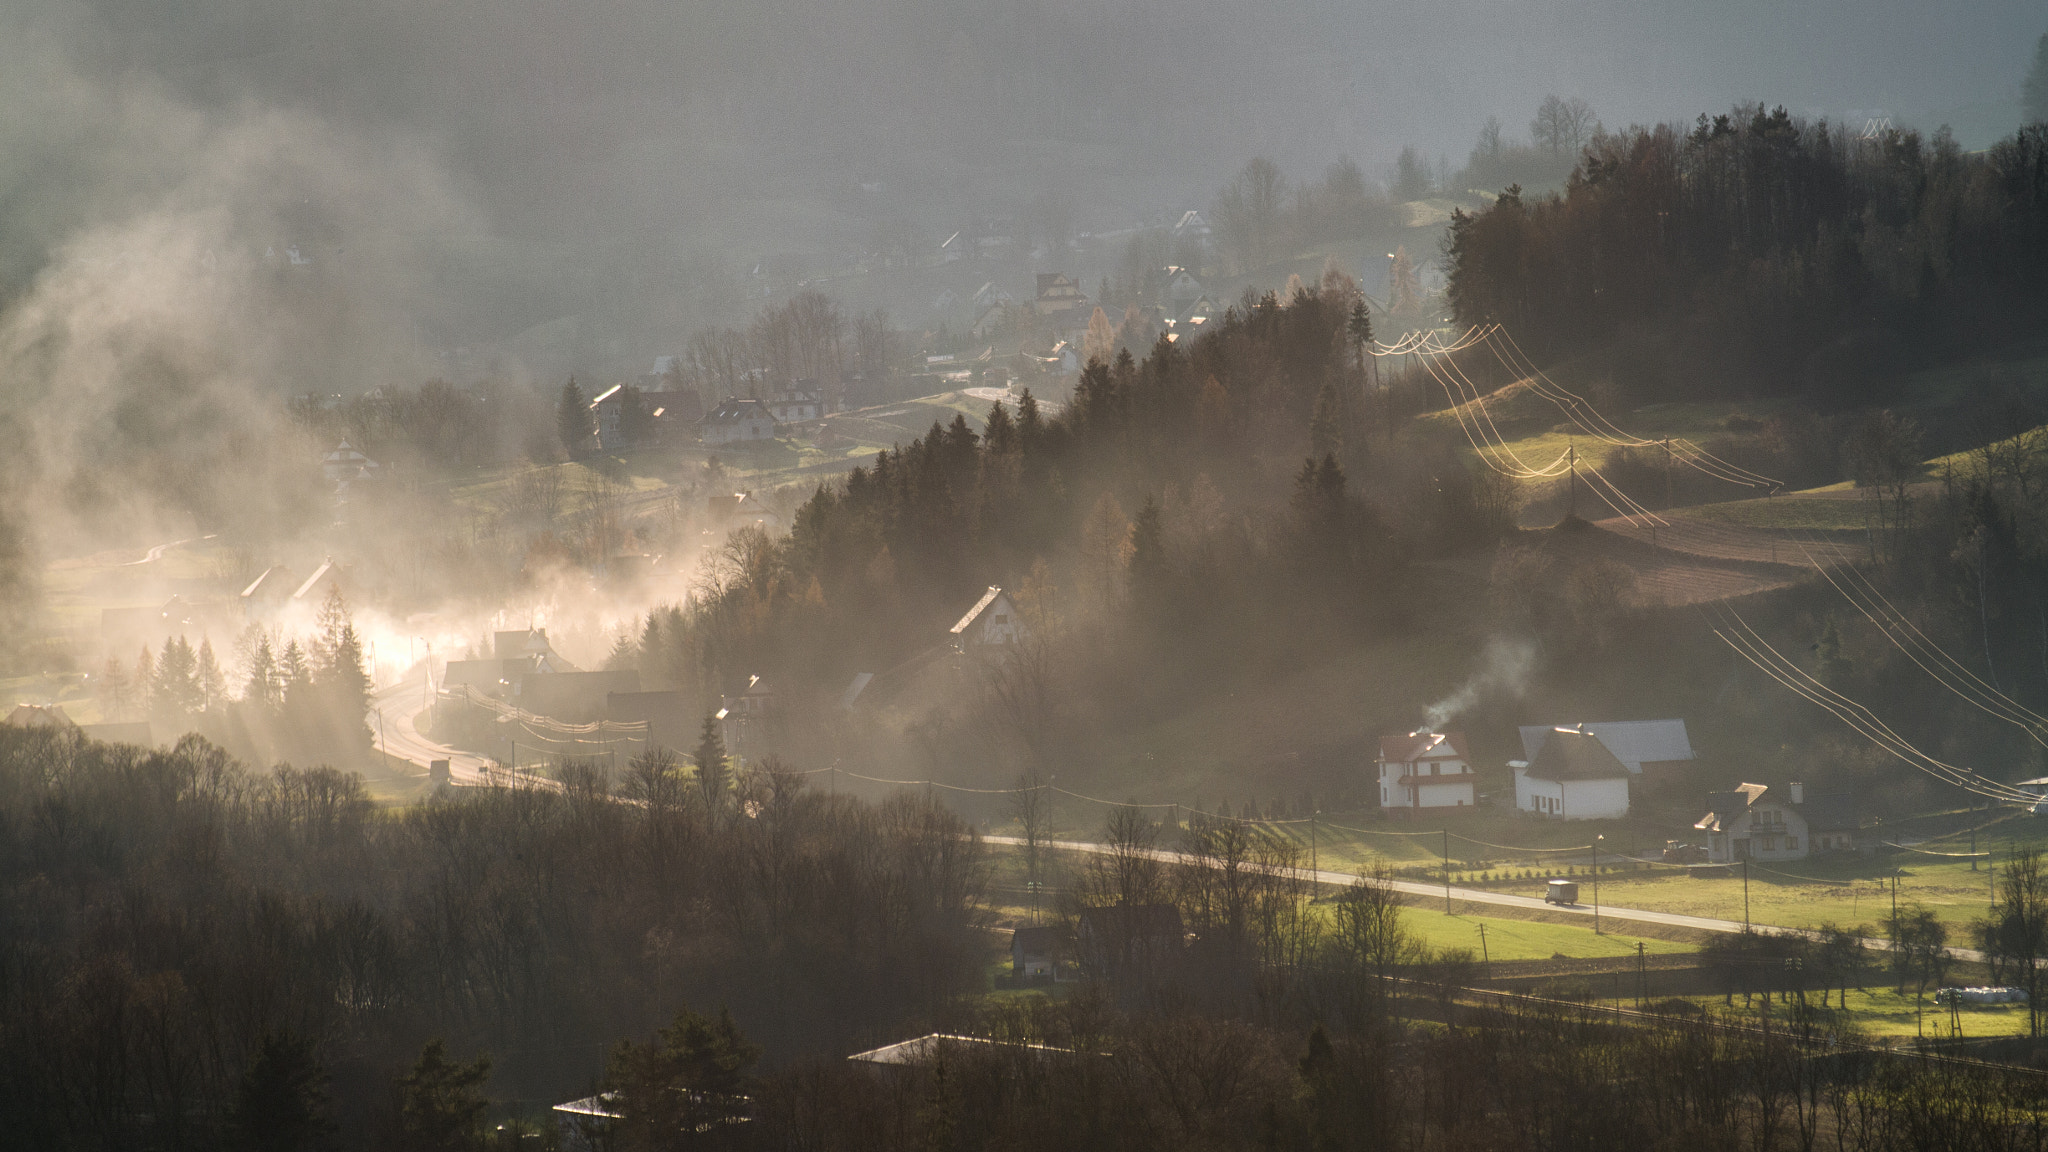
[[1505, 665]]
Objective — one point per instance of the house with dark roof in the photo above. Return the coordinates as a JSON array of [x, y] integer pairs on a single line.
[[1128, 940], [1750, 822], [1573, 776], [268, 592], [798, 402], [1059, 295], [1425, 769], [1034, 954], [1653, 751]]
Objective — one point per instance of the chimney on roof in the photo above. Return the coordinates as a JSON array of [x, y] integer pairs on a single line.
[[1798, 791]]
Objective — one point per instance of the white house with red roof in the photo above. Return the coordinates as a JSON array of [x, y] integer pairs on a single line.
[[1425, 769]]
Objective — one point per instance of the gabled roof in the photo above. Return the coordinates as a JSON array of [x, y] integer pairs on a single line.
[[1035, 941], [345, 453], [313, 581], [733, 410], [1133, 920], [1722, 806], [1058, 286], [987, 598], [924, 1048], [853, 690], [273, 575], [40, 716], [1423, 744], [1633, 742], [1569, 754]]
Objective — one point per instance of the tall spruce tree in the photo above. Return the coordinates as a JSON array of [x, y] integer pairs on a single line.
[[282, 1104], [713, 774], [442, 1102], [211, 682], [572, 419]]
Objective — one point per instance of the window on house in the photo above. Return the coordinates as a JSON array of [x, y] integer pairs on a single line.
[[1792, 843]]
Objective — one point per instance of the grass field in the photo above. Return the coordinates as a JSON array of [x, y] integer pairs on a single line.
[[1882, 1012], [1511, 939], [1846, 890], [1537, 432]]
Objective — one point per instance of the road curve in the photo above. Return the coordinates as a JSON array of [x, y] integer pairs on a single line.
[[392, 709]]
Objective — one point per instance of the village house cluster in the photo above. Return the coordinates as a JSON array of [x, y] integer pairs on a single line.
[[1598, 770]]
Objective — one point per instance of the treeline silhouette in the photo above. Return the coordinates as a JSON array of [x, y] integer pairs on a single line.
[[1759, 250], [176, 927]]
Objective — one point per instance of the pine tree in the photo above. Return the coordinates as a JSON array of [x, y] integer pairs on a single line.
[[212, 684], [282, 1102], [694, 1078], [1148, 555], [263, 687], [634, 420], [572, 419], [2034, 95], [999, 433], [345, 679], [145, 682], [294, 675], [442, 1102], [713, 773], [1360, 327], [328, 625], [1030, 425], [176, 692]]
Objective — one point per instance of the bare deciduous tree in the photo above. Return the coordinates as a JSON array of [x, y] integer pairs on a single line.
[[1562, 125]]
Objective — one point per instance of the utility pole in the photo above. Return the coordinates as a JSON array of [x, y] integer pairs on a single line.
[[1745, 893], [1447, 871], [1973, 849], [1596, 883], [1315, 866], [1642, 978], [1485, 956], [1571, 506]]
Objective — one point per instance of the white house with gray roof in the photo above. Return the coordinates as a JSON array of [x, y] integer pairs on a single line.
[[1657, 747]]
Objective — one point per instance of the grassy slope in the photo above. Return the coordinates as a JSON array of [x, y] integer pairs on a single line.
[[1537, 432]]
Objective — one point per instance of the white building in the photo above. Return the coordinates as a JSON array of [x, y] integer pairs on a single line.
[[737, 419], [1750, 824], [1426, 769], [799, 403], [992, 623], [345, 464], [1656, 747], [1572, 776], [1753, 823]]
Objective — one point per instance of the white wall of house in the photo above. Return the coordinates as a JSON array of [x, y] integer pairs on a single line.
[[748, 429], [1451, 793], [1571, 799], [1765, 831]]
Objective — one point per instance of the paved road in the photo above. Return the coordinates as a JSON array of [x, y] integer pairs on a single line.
[[391, 711], [1504, 900]]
